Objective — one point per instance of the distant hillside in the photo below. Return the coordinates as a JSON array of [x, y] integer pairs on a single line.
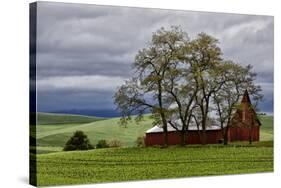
[[108, 129], [106, 113], [52, 118], [267, 127]]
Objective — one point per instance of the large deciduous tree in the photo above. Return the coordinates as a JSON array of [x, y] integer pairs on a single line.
[[148, 88], [181, 92], [237, 80], [181, 81], [205, 58]]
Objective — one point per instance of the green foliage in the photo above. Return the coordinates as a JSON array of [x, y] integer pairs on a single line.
[[114, 143], [79, 141], [140, 141], [152, 66], [102, 144], [128, 164]]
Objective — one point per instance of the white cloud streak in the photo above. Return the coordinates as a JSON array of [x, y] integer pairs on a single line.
[[82, 83]]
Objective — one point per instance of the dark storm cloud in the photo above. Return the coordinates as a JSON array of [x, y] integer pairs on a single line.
[[68, 100], [88, 49], [109, 37]]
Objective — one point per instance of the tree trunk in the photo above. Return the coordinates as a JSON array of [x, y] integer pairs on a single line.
[[204, 121], [225, 136], [183, 138], [163, 117], [165, 129], [204, 135], [226, 129], [165, 139], [204, 139], [199, 134]]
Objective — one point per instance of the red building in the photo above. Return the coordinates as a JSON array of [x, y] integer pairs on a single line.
[[244, 124]]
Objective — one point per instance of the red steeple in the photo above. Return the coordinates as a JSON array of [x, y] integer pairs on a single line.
[[246, 98]]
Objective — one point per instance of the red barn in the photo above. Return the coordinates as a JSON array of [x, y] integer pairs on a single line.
[[244, 124]]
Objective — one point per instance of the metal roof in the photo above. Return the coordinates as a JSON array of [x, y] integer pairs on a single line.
[[158, 129]]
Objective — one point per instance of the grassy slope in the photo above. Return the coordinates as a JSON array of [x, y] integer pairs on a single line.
[[49, 135], [266, 130], [52, 118], [56, 136], [124, 164]]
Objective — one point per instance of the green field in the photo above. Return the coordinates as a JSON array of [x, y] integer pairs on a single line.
[[266, 130], [55, 167], [108, 129], [56, 135], [54, 119], [125, 164]]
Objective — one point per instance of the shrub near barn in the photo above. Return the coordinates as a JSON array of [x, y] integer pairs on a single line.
[[79, 141]]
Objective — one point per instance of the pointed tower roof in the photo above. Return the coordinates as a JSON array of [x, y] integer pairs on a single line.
[[246, 97]]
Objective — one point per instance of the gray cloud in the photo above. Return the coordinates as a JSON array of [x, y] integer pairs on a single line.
[[77, 41], [73, 99], [81, 83]]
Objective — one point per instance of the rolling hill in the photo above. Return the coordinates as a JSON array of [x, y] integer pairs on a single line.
[[55, 118], [55, 136], [132, 163], [108, 129], [266, 130]]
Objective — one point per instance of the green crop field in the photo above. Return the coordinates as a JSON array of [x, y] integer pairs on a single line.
[[125, 164]]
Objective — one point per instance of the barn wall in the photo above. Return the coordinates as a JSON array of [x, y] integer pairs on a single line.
[[213, 136], [174, 138], [239, 129], [241, 122], [243, 133]]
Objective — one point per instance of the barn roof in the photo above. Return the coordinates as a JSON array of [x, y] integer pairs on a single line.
[[158, 129], [210, 125], [246, 98]]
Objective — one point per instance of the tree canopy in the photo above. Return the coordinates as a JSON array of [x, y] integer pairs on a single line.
[[78, 141]]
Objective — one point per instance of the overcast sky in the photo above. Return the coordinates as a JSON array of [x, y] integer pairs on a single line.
[[85, 51]]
